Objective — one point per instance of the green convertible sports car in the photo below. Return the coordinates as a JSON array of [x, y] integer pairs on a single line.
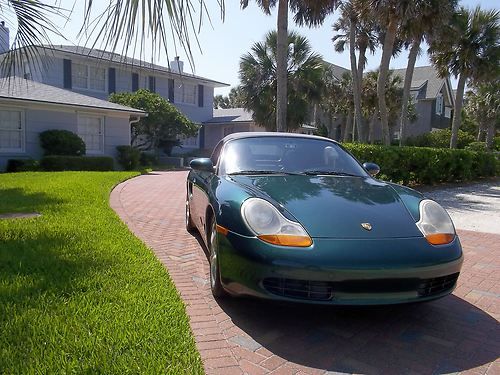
[[298, 218]]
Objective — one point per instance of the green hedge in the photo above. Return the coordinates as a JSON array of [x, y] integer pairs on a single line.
[[422, 165], [22, 165], [128, 157], [76, 163], [61, 142]]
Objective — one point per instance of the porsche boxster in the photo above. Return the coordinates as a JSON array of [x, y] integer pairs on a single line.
[[298, 218]]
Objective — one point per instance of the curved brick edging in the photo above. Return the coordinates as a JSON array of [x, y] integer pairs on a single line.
[[244, 336]]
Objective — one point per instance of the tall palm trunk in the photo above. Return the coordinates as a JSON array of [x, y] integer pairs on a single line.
[[356, 89], [348, 126], [389, 39], [361, 65], [281, 66], [371, 127], [457, 111], [412, 58]]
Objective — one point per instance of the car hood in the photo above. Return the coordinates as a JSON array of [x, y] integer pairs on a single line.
[[337, 206]]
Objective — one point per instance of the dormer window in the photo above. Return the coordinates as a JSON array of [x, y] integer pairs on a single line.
[[88, 77], [439, 104]]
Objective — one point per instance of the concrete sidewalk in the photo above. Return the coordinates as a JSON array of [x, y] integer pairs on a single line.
[[457, 334]]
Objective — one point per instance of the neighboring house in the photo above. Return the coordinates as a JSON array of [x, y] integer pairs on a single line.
[[227, 121], [28, 108], [434, 100]]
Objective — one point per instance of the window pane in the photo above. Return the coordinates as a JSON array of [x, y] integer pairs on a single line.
[[90, 130], [97, 79], [79, 75], [11, 131]]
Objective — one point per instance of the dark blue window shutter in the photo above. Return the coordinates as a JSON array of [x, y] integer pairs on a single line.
[[111, 80], [200, 95], [152, 84], [67, 73], [202, 137], [171, 90], [135, 81]]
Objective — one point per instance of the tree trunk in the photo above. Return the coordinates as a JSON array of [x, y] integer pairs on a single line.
[[281, 66], [412, 58], [457, 111], [372, 127], [481, 131], [361, 65], [490, 136], [356, 88], [348, 126], [343, 128], [389, 39]]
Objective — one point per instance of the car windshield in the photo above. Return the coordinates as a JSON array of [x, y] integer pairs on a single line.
[[287, 155]]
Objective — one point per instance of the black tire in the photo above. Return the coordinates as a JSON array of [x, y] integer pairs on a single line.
[[190, 227], [215, 283]]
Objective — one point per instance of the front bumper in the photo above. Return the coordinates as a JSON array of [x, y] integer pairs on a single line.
[[340, 271]]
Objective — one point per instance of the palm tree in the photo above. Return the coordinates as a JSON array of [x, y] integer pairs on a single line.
[[469, 48], [358, 33], [258, 76], [425, 17], [126, 21], [311, 12], [338, 101], [34, 21], [391, 14]]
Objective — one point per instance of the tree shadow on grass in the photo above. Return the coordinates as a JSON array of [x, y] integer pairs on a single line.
[[17, 200], [448, 335], [41, 265]]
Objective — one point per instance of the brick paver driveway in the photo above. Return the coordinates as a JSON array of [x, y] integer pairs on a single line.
[[459, 333]]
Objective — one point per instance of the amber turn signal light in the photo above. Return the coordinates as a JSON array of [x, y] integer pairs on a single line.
[[286, 240], [440, 238]]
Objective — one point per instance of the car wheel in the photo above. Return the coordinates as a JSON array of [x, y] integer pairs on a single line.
[[189, 221], [215, 283]]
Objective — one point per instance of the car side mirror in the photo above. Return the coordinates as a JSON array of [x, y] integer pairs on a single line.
[[372, 168], [202, 164]]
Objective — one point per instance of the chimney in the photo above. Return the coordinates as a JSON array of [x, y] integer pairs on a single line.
[[4, 37], [177, 65]]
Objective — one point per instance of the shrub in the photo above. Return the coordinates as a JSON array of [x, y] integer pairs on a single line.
[[62, 142], [22, 165], [76, 163], [148, 159], [128, 157], [476, 146], [440, 139], [419, 165]]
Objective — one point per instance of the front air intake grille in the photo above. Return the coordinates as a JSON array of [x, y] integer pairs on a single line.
[[301, 289], [437, 285]]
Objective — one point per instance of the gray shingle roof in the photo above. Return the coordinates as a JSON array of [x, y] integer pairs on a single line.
[[421, 75], [31, 91], [121, 59], [337, 71], [224, 116]]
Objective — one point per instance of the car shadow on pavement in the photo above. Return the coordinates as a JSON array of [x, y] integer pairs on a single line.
[[448, 335]]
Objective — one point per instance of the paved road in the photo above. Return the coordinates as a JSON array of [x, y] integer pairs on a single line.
[[473, 207], [457, 334]]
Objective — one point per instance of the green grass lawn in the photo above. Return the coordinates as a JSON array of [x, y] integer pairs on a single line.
[[78, 292]]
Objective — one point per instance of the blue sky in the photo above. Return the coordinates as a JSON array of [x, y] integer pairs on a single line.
[[223, 43]]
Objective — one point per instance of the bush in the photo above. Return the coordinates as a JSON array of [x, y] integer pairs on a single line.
[[76, 163], [22, 165], [440, 139], [476, 146], [128, 157], [148, 159], [419, 165], [62, 142]]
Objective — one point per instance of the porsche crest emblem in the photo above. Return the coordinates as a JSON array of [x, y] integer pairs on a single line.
[[366, 226]]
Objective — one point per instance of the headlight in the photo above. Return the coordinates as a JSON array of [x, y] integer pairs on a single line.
[[271, 226], [435, 223]]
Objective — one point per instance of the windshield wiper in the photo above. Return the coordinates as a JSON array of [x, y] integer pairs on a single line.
[[329, 173], [254, 172]]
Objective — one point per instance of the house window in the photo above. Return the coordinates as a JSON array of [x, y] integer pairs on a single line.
[[190, 142], [439, 104], [187, 93], [11, 131], [447, 112], [91, 130], [88, 77], [413, 96]]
